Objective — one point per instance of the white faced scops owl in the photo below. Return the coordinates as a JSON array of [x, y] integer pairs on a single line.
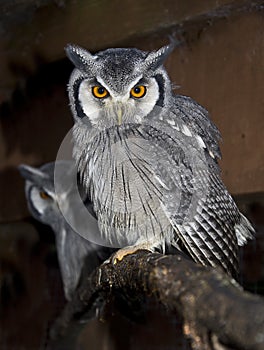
[[148, 159], [74, 252]]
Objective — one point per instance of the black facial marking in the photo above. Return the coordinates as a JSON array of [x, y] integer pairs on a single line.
[[79, 111], [161, 82]]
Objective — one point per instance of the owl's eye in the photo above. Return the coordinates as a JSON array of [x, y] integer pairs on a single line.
[[99, 91], [44, 195], [138, 91]]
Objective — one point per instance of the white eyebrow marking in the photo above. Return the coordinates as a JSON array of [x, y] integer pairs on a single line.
[[113, 93]]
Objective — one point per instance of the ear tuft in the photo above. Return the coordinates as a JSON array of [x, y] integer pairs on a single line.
[[81, 58], [30, 173], [156, 58]]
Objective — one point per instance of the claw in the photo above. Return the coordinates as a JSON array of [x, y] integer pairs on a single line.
[[121, 253]]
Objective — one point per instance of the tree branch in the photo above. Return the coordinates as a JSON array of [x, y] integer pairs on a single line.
[[216, 312]]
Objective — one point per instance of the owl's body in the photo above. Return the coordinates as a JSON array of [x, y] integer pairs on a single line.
[[148, 159], [43, 202], [128, 216]]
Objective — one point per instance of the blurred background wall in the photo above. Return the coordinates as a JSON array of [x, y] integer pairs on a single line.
[[220, 63]]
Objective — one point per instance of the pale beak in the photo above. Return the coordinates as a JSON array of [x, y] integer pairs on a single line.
[[119, 113]]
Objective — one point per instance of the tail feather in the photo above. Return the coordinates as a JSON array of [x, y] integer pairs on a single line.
[[244, 231]]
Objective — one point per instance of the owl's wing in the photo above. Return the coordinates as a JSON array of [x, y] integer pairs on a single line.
[[209, 232], [196, 118], [205, 224], [204, 216]]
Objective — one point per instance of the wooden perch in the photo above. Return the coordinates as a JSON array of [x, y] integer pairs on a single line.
[[217, 313]]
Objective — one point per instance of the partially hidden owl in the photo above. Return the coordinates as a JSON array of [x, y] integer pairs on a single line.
[[43, 199], [148, 159]]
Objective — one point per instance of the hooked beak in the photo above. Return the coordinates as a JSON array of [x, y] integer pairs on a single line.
[[119, 113]]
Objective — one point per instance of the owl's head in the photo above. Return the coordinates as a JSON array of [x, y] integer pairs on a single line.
[[117, 86], [42, 199]]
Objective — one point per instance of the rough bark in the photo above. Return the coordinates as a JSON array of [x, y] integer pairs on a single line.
[[217, 313]]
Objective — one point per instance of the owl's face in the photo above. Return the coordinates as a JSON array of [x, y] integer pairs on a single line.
[[117, 86], [40, 192]]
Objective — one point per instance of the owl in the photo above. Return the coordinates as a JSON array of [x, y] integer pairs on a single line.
[[148, 159], [43, 202]]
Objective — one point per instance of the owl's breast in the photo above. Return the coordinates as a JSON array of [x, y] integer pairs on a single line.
[[125, 191], [123, 176]]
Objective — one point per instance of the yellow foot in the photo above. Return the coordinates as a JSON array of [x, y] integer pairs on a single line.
[[121, 253]]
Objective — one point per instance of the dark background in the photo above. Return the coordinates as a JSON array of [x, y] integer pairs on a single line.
[[220, 63]]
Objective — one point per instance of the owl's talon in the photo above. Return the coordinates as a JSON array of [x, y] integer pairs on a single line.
[[121, 253], [115, 261]]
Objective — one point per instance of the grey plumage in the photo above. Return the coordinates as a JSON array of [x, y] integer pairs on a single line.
[[149, 159], [73, 250]]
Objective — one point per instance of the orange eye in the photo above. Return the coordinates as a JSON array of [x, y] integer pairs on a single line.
[[99, 91], [44, 195], [138, 91]]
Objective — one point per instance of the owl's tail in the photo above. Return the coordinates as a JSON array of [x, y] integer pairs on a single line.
[[244, 231]]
